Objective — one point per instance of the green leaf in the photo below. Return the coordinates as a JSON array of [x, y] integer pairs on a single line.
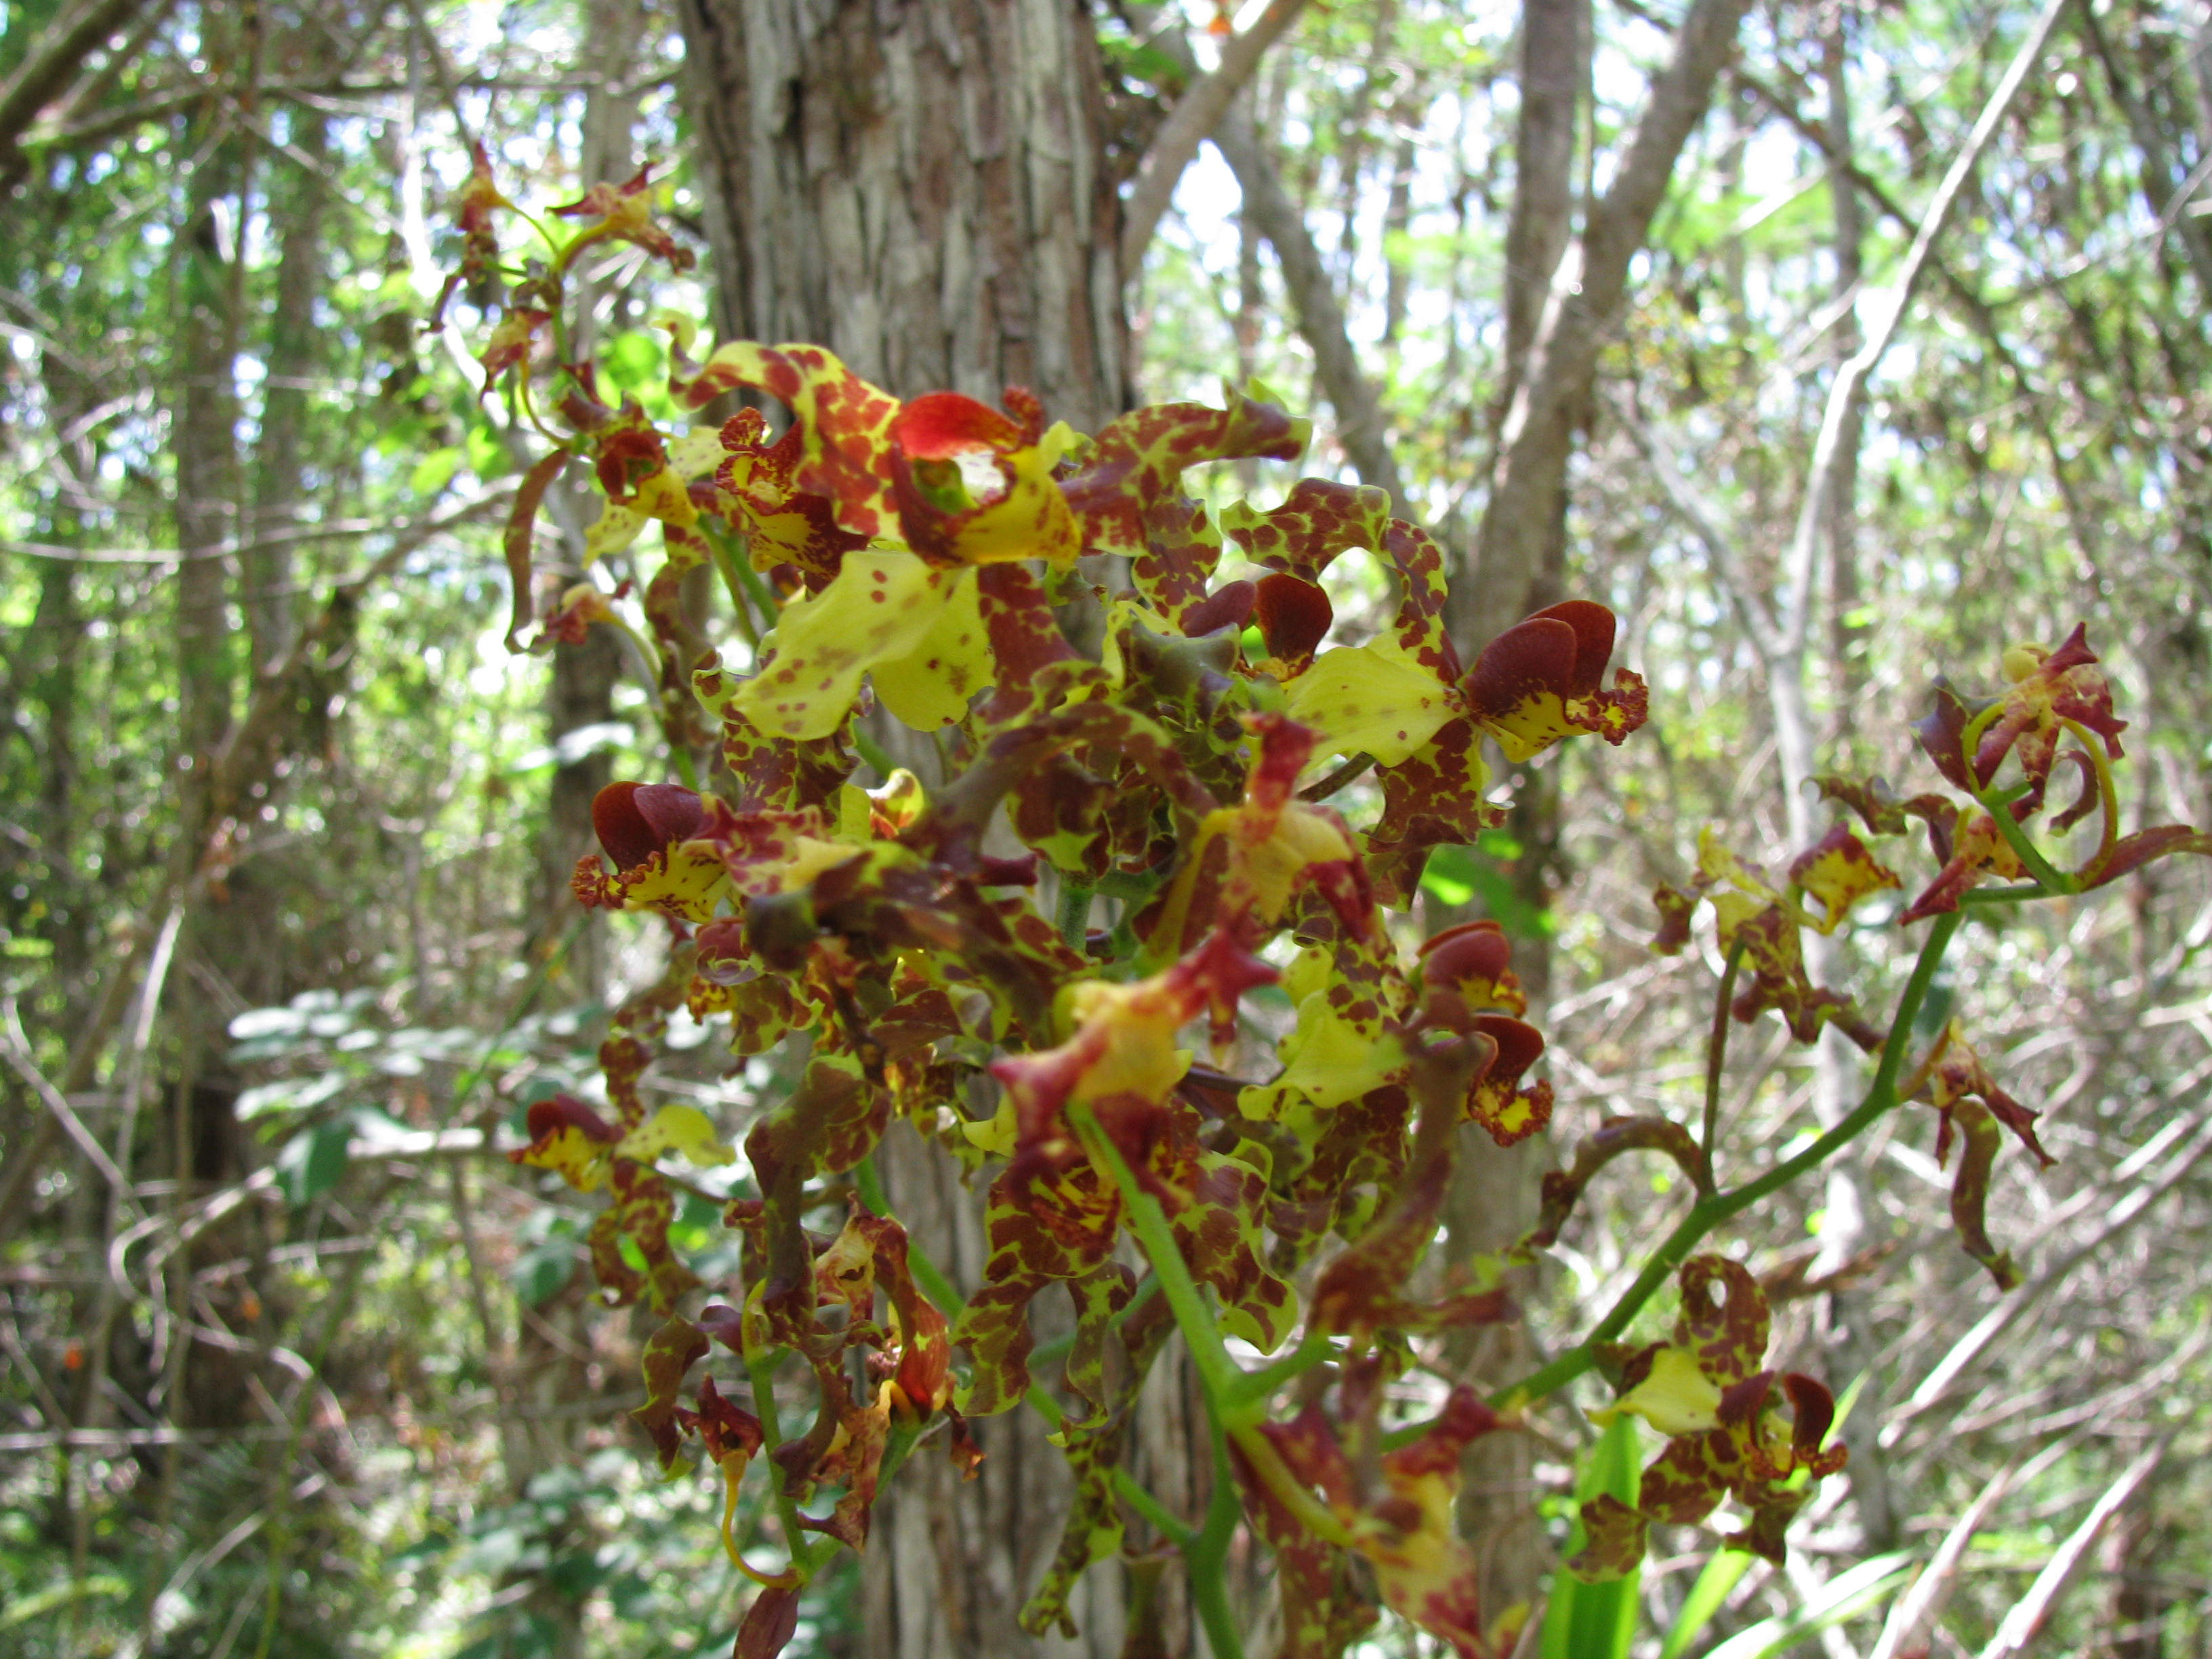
[[435, 470], [1461, 875], [487, 455], [1597, 1621], [542, 1273], [1844, 1596], [1706, 1597], [313, 1161]]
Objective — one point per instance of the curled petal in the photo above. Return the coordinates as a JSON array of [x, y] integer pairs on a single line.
[[634, 821], [1840, 872], [1293, 614], [1474, 961], [1540, 681], [1497, 1100], [973, 487], [2048, 687], [1228, 606], [2132, 853]]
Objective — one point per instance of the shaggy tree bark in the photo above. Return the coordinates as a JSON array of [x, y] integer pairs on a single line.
[[920, 186], [920, 183]]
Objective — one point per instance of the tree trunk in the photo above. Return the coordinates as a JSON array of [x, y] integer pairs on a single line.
[[1543, 214], [295, 357], [1529, 492], [1848, 1310], [920, 186]]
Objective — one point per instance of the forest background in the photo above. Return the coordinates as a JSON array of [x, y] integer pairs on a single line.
[[297, 1362]]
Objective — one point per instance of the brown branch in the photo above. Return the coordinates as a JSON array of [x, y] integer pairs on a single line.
[[1850, 386], [1269, 209], [1361, 427], [1579, 315], [55, 57], [2033, 1611], [1196, 114]]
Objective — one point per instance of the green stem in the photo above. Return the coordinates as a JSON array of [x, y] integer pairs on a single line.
[[1314, 1348], [764, 602], [2018, 895], [2108, 794], [1206, 1556], [2040, 867], [1710, 1212], [871, 751], [1716, 1056], [1074, 912], [761, 1368], [725, 566], [1217, 1372], [1177, 1531]]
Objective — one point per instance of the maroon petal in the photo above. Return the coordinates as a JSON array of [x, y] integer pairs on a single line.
[[1228, 606], [1294, 615]]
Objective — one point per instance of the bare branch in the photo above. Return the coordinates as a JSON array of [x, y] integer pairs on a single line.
[[20, 1061], [54, 57], [1579, 314], [1850, 388], [1922, 1603], [1193, 120], [2030, 1614], [1360, 425]]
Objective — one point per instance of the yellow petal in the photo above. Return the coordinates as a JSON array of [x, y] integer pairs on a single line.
[[1326, 1060], [880, 608], [617, 528], [696, 454], [1677, 1398], [682, 1129], [995, 1137], [1370, 699], [663, 496], [929, 686]]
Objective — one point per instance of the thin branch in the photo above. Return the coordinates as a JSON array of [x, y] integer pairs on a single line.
[[1922, 1603], [53, 57], [1193, 120], [2033, 1611], [1850, 386], [1361, 427], [20, 1060]]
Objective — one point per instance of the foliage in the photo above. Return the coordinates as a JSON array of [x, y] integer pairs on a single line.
[[1171, 790], [2034, 452]]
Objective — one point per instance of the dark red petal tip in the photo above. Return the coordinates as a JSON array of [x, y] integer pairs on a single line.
[[1294, 615], [634, 821]]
